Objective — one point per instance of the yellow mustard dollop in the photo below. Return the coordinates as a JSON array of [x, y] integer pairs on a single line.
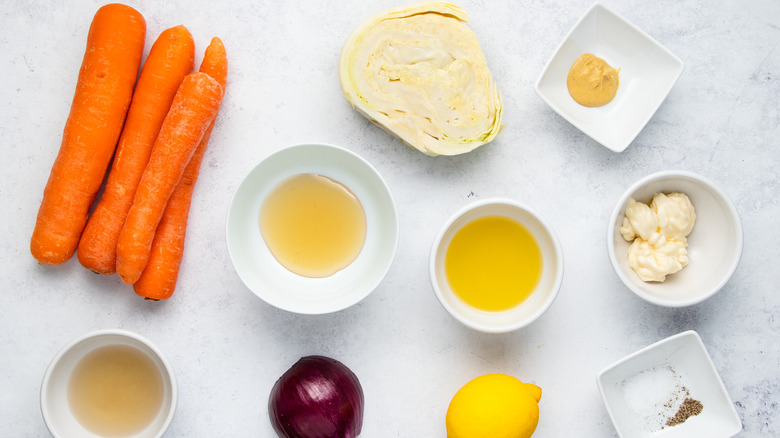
[[592, 82]]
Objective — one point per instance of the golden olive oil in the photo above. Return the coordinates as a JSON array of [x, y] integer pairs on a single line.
[[115, 391], [313, 225], [493, 263]]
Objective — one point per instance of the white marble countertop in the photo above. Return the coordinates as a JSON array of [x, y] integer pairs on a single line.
[[228, 347]]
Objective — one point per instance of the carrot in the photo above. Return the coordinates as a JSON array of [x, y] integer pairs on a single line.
[[169, 60], [158, 280], [104, 89], [194, 107]]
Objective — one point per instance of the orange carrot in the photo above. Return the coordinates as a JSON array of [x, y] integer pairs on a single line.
[[115, 45], [169, 60], [158, 280], [192, 111]]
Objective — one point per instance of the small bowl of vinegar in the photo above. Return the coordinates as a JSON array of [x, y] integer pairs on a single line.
[[496, 265], [108, 383], [312, 229]]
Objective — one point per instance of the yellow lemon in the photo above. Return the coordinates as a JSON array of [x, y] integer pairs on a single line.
[[494, 406]]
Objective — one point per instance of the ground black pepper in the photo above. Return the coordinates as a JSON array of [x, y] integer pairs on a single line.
[[688, 409]]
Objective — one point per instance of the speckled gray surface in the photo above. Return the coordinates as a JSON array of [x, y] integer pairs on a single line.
[[228, 347]]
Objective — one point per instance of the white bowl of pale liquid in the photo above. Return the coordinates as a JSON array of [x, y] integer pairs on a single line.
[[56, 405], [270, 280]]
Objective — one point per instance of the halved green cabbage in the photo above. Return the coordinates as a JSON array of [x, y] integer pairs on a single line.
[[419, 72]]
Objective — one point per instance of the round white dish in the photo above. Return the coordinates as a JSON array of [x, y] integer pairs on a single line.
[[540, 299], [275, 284], [714, 245], [56, 411]]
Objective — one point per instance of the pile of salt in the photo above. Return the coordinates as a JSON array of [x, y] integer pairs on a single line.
[[654, 395]]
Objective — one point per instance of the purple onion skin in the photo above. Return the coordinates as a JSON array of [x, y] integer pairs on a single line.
[[318, 397]]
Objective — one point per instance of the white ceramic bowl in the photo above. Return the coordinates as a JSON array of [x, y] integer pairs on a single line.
[[54, 401], [714, 245], [542, 296], [648, 71], [271, 281], [635, 388]]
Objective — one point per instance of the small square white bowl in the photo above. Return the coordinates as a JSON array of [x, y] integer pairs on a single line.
[[648, 71], [684, 355]]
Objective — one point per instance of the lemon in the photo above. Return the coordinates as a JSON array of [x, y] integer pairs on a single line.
[[494, 406]]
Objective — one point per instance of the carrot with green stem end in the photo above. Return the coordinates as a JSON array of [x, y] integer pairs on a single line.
[[192, 111], [104, 88], [169, 61], [158, 280]]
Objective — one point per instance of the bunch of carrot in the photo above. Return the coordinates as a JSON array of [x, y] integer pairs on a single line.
[[157, 130]]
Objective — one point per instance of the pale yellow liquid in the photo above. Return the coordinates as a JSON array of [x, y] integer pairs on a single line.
[[313, 225], [493, 263], [115, 391]]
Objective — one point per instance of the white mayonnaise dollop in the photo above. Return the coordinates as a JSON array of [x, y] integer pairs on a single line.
[[675, 214], [659, 232]]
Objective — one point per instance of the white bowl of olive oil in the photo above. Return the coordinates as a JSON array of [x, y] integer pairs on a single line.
[[108, 383], [312, 229], [496, 265]]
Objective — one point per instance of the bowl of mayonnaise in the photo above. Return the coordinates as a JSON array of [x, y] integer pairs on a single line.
[[674, 238]]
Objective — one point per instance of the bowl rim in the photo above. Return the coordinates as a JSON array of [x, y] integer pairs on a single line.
[[643, 350], [394, 219], [55, 362], [557, 253], [617, 147], [617, 210]]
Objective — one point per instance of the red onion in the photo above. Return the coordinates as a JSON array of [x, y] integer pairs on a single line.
[[318, 397]]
